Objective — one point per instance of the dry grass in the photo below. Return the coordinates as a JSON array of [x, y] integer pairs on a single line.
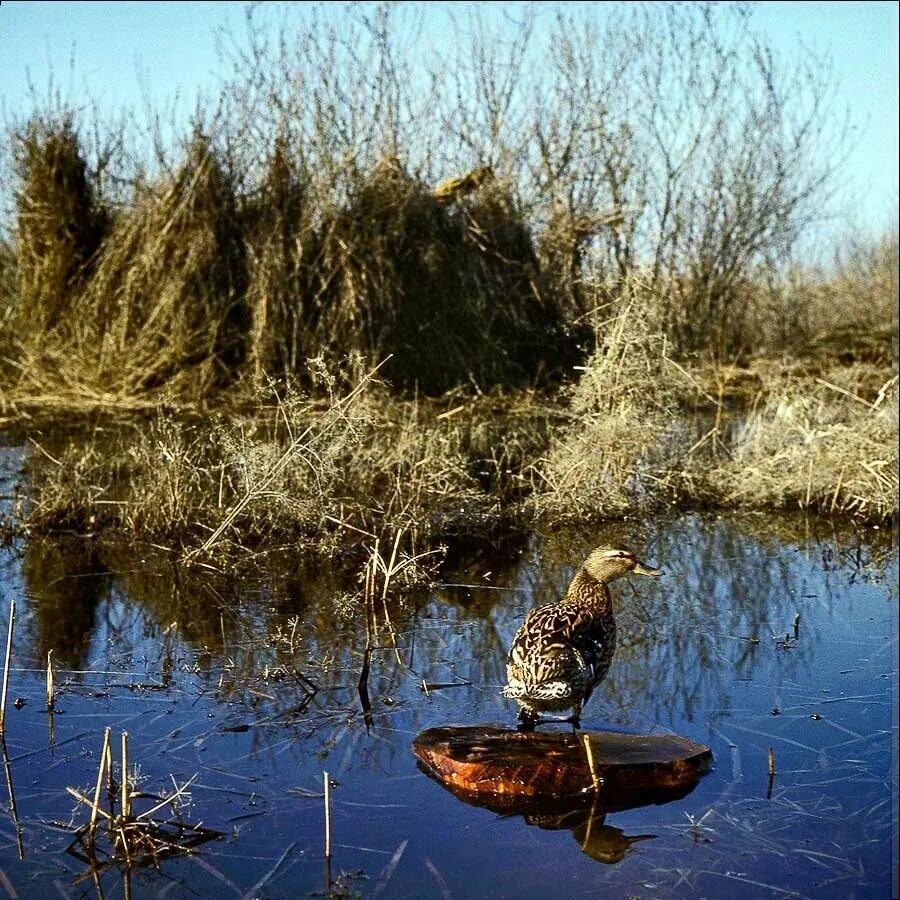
[[849, 313], [615, 450], [163, 306], [60, 224], [448, 289], [339, 472], [815, 445], [325, 473], [197, 285]]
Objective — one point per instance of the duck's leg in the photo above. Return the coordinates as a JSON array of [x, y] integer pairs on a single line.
[[528, 719], [575, 718]]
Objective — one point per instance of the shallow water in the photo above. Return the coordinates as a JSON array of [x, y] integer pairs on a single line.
[[251, 686]]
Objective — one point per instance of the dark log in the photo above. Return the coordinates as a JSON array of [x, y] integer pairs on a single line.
[[509, 767], [563, 780]]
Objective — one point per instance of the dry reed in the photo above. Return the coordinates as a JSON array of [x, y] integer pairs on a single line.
[[130, 840], [6, 663]]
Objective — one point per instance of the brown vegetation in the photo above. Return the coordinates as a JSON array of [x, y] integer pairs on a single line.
[[607, 223]]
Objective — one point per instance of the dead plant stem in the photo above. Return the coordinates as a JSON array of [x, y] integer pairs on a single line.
[[5, 689]]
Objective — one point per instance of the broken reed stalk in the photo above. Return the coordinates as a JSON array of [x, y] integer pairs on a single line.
[[50, 691], [585, 740], [110, 782], [9, 637], [126, 796], [771, 773], [95, 806], [327, 821]]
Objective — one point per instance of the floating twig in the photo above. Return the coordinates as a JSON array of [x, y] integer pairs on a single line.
[[257, 888]]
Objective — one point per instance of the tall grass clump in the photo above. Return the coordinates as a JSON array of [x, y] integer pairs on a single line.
[[448, 289], [611, 455], [165, 305], [282, 252], [59, 227], [162, 303]]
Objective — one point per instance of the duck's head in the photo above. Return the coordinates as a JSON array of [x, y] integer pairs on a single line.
[[608, 563]]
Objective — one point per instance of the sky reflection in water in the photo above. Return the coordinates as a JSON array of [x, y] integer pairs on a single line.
[[253, 684]]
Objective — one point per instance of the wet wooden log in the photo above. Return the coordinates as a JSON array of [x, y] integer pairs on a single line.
[[505, 769]]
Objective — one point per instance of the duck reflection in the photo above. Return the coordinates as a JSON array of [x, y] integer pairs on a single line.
[[586, 819]]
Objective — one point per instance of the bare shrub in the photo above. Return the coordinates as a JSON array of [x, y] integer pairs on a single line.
[[708, 146]]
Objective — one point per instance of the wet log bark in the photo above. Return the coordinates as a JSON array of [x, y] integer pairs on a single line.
[[507, 768]]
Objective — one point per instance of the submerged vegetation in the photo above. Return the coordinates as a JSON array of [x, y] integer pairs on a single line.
[[329, 341]]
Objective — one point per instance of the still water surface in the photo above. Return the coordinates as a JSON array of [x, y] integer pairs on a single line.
[[251, 685]]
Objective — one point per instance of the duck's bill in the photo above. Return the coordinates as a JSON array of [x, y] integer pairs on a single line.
[[641, 569]]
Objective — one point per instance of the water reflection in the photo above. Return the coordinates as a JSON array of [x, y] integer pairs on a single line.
[[66, 583], [729, 596], [253, 681], [584, 817]]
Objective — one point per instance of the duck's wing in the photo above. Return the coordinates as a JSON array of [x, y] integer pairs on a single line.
[[552, 630], [556, 637]]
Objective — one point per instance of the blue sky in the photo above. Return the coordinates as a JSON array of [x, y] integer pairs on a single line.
[[120, 52]]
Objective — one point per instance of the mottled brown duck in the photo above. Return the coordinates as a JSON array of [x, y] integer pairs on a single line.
[[563, 650]]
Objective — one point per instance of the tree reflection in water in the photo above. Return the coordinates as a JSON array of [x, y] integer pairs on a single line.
[[252, 678]]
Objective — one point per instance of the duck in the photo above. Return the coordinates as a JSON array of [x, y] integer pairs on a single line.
[[563, 650]]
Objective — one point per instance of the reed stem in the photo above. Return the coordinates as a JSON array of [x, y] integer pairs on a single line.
[[327, 817], [95, 806], [9, 637]]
